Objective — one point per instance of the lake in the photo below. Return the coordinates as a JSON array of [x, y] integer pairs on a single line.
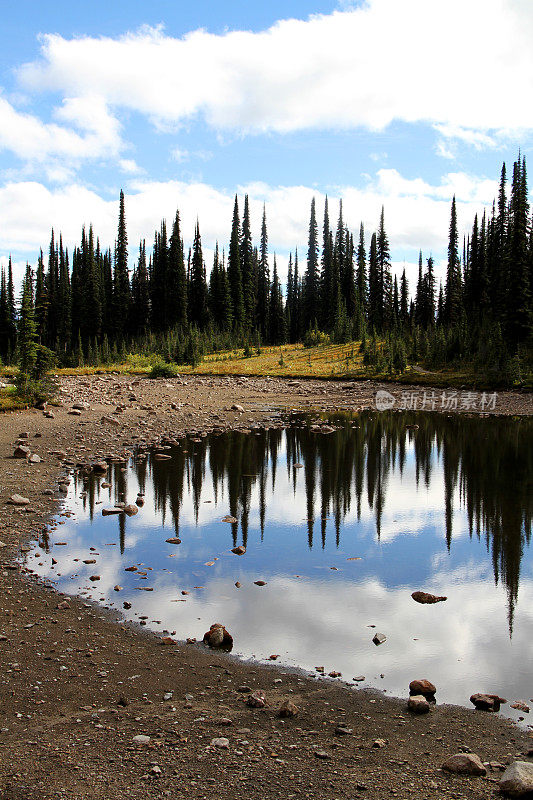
[[343, 518]]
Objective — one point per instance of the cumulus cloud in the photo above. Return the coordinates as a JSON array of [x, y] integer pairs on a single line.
[[58, 147], [416, 212], [365, 66]]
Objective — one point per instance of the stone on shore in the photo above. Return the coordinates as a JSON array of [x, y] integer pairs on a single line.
[[418, 704], [464, 764], [517, 780]]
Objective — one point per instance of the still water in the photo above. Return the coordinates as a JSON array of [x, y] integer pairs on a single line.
[[343, 519]]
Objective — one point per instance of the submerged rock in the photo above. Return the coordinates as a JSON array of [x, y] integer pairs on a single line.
[[239, 551], [427, 598]]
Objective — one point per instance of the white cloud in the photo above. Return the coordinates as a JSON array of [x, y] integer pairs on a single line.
[[416, 212], [381, 61], [477, 139], [57, 147], [129, 166]]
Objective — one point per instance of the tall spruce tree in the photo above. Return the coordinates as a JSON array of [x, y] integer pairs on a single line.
[[121, 281], [234, 271], [453, 289], [198, 309], [176, 280], [311, 296], [263, 282], [248, 271], [519, 310], [384, 276], [277, 317], [361, 279]]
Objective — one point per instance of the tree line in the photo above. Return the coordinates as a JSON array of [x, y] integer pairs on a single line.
[[87, 306]]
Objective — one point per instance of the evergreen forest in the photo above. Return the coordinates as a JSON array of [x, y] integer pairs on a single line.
[[95, 305]]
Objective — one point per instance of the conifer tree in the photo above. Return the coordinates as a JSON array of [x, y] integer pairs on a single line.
[[296, 307], [263, 282], [234, 271], [4, 316], [198, 310], [384, 275], [361, 279], [27, 329], [519, 311], [404, 300], [328, 292], [41, 302], [453, 290], [176, 280], [64, 301], [248, 272], [311, 295], [121, 281], [374, 286], [277, 317], [140, 293]]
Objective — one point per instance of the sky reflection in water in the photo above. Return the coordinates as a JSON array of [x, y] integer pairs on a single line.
[[444, 507]]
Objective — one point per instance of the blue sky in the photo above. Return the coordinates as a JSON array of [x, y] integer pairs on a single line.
[[394, 102]]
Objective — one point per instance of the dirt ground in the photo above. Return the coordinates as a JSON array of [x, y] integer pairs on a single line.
[[77, 684]]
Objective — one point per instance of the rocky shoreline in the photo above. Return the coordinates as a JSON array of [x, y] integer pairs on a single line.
[[94, 708]]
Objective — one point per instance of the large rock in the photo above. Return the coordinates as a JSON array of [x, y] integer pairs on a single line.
[[423, 687], [464, 764], [517, 780], [217, 636], [379, 638], [487, 702], [418, 704], [426, 597]]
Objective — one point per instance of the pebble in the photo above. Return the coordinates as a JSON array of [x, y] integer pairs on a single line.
[[18, 500], [220, 742], [141, 738]]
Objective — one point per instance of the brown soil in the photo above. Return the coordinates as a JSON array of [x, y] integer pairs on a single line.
[[78, 685]]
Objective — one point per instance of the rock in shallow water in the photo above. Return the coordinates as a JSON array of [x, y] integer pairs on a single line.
[[487, 702], [427, 598], [423, 687], [218, 636]]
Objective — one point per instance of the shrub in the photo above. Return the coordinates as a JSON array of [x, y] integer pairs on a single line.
[[163, 370], [314, 337]]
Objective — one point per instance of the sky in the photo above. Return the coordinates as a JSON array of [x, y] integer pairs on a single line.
[[394, 103]]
